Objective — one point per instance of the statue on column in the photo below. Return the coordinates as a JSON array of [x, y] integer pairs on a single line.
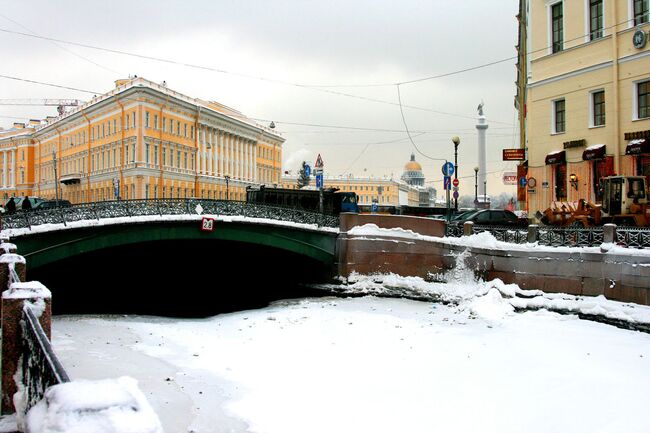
[[480, 108]]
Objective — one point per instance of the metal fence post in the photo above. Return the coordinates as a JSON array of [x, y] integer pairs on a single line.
[[468, 228], [533, 232], [609, 233]]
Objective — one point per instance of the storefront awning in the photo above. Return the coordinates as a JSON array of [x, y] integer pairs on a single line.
[[557, 157], [637, 147], [596, 151]]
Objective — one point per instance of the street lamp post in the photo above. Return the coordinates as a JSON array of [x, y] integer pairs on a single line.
[[485, 192], [456, 142], [56, 180], [227, 190], [475, 187]]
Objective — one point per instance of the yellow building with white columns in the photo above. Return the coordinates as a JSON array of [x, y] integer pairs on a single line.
[[588, 96], [145, 139]]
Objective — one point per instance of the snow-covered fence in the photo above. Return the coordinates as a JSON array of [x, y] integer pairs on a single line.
[[40, 366], [631, 237], [131, 208]]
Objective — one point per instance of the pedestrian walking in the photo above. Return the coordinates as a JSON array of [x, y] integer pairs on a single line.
[[27, 205], [11, 205]]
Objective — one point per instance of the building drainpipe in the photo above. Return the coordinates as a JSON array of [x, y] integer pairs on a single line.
[[617, 125], [87, 168], [121, 166], [196, 155]]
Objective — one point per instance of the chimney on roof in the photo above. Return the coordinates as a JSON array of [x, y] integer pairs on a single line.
[[19, 125]]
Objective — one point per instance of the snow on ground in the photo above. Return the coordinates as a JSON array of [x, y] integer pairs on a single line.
[[370, 364]]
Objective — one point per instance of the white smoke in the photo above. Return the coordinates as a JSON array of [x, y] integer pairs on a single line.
[[294, 161]]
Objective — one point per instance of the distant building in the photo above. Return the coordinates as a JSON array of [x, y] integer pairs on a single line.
[[383, 191], [413, 173], [140, 140]]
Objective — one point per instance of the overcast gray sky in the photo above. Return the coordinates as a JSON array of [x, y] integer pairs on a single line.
[[287, 44]]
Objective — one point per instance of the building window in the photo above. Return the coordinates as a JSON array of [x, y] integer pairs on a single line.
[[178, 158], [155, 154], [595, 19], [114, 126], [557, 28], [178, 128], [127, 121], [171, 126], [164, 155], [155, 121], [640, 12], [598, 107], [146, 155], [146, 119], [185, 130], [164, 124], [642, 100], [559, 119], [134, 116]]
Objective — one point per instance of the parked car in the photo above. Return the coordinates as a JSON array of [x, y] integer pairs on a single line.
[[496, 217], [51, 204]]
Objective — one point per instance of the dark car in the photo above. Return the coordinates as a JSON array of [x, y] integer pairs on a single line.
[[493, 217], [51, 204]]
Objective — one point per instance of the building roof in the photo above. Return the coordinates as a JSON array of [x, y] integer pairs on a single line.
[[412, 165]]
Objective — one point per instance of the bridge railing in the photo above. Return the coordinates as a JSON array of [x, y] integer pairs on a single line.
[[144, 207], [630, 237], [40, 366]]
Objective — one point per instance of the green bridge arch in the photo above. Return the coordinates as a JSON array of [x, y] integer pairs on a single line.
[[44, 248]]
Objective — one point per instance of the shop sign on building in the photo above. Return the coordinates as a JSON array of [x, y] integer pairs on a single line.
[[575, 143], [514, 154], [510, 178]]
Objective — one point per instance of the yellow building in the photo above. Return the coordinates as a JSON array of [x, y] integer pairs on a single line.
[[142, 140], [587, 103]]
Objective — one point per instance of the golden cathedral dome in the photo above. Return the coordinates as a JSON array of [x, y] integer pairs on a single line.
[[412, 165]]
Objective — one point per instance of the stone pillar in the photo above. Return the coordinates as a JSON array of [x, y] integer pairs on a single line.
[[609, 233], [210, 147], [9, 261], [468, 228], [533, 232], [255, 175], [4, 169], [481, 126], [13, 168], [215, 152], [12, 335]]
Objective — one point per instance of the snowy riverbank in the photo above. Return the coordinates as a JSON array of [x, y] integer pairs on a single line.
[[376, 364]]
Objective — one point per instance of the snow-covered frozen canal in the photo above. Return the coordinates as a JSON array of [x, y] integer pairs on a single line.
[[372, 364]]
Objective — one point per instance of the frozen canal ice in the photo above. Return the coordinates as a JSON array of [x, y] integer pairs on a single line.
[[371, 365]]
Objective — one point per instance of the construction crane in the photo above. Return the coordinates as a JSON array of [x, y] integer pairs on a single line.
[[60, 104]]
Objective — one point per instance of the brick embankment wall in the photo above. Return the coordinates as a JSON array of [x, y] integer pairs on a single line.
[[618, 276]]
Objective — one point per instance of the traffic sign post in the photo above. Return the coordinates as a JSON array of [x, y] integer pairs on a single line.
[[522, 181], [318, 168], [307, 170], [447, 182], [319, 180], [456, 195], [448, 169], [455, 183]]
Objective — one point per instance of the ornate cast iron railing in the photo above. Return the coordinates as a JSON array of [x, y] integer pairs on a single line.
[[131, 208], [630, 237], [40, 366]]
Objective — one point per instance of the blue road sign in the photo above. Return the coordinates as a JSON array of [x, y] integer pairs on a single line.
[[319, 180], [522, 181], [448, 168], [307, 170], [447, 183], [374, 207], [455, 194]]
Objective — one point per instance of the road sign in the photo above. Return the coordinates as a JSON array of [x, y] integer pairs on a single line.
[[447, 183], [532, 182], [319, 162], [455, 195], [374, 207], [207, 224], [307, 170], [455, 188], [448, 169], [455, 182], [514, 154], [522, 181], [319, 180]]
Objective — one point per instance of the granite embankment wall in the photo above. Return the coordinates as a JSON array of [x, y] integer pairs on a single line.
[[618, 274]]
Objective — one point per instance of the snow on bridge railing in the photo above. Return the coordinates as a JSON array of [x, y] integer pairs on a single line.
[[143, 207], [630, 237]]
